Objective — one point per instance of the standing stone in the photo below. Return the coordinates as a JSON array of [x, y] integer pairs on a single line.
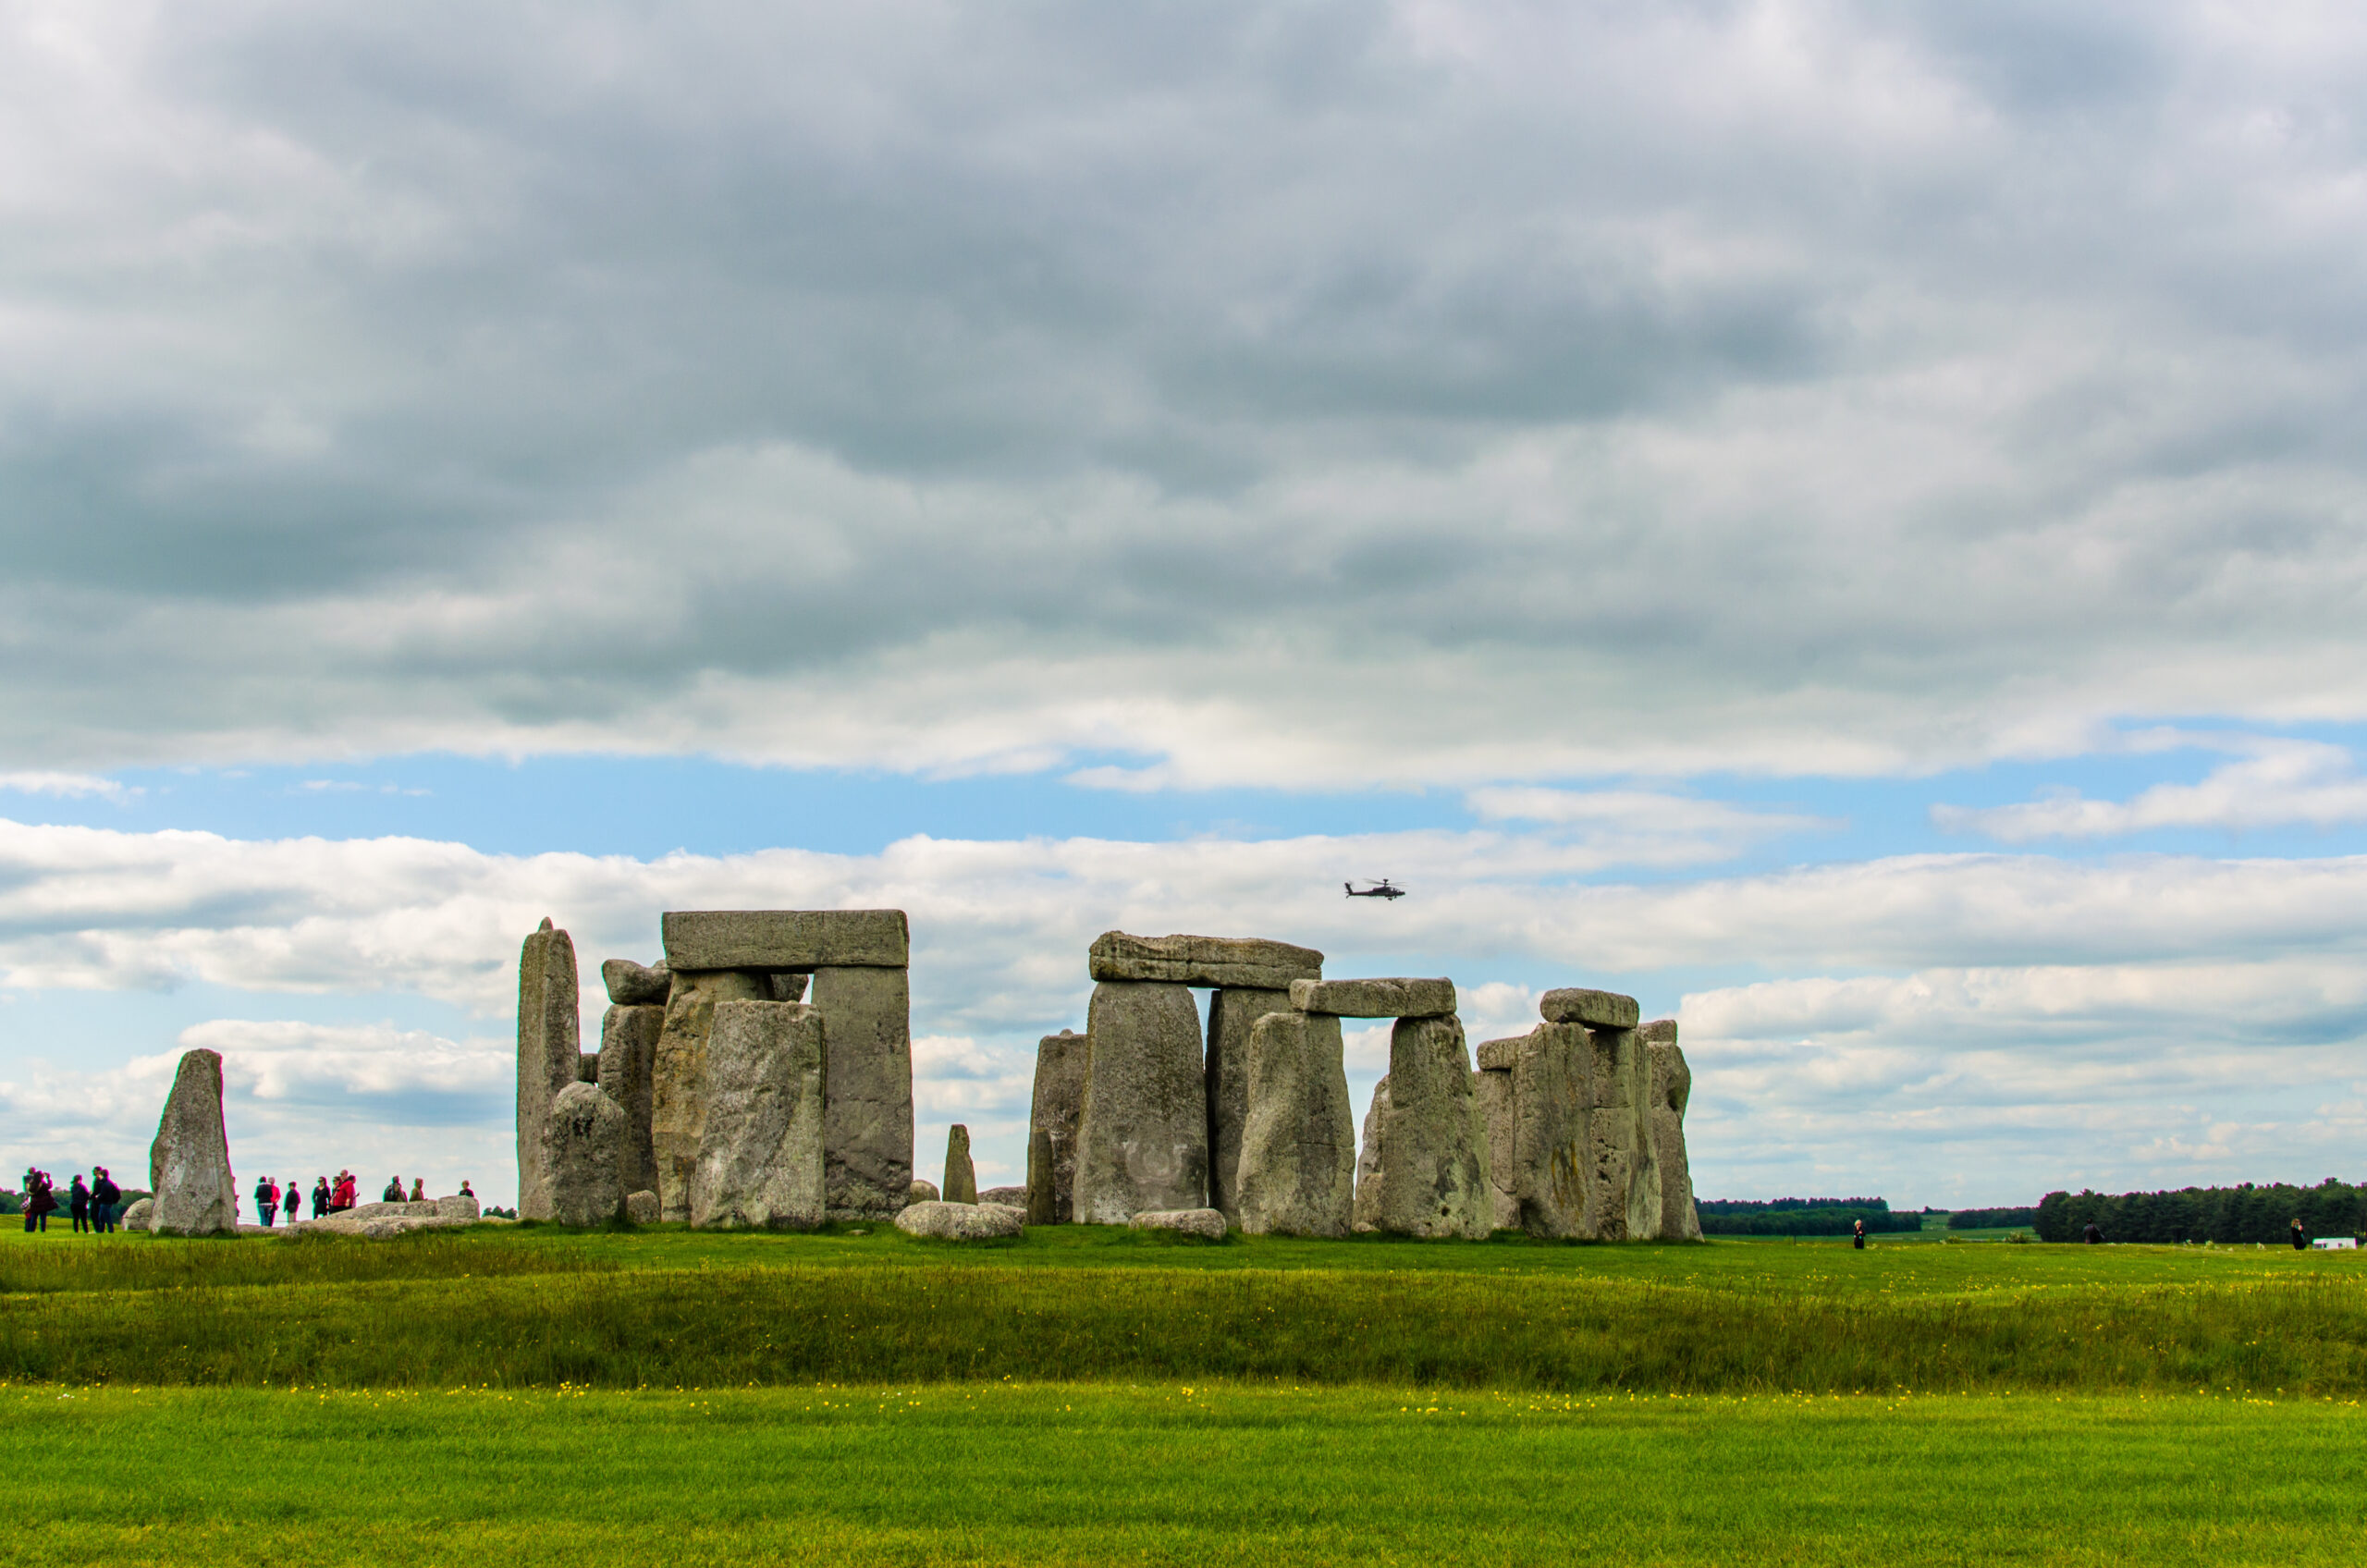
[[548, 1028], [961, 1180], [628, 1067], [1232, 1012], [1672, 1090], [1624, 1175], [1367, 1202], [1298, 1141], [1432, 1172], [583, 1142], [868, 1115], [1552, 1159], [189, 1165], [1143, 1136], [760, 1150], [1494, 1086], [1051, 1127], [678, 1083]]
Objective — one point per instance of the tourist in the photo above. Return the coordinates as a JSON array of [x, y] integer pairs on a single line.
[[342, 1196], [78, 1206], [40, 1201], [1858, 1235], [2300, 1237], [266, 1200], [394, 1192], [466, 1192], [419, 1189], [2095, 1235], [106, 1201], [320, 1197]]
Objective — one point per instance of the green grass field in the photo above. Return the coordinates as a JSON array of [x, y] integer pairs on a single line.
[[535, 1395]]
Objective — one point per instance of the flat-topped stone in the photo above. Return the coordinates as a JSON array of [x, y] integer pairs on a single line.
[[1251, 962], [1205, 1223], [786, 938], [635, 985], [1498, 1056], [1396, 997], [1596, 1009], [960, 1222]]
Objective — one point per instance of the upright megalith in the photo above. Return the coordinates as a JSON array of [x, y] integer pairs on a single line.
[[759, 1163], [583, 1140], [1298, 1143], [961, 1178], [1142, 1134], [1493, 1086], [1552, 1155], [678, 1086], [1052, 1117], [628, 1061], [1367, 1199], [189, 1165], [1672, 1088], [1234, 1013], [1429, 1153], [1626, 1176], [548, 1028]]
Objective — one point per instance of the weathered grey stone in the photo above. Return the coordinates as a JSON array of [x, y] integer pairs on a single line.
[[628, 1075], [137, 1215], [678, 1078], [1367, 1199], [587, 1067], [1431, 1168], [1493, 1086], [636, 984], [458, 1205], [868, 1114], [921, 1192], [1051, 1127], [1205, 1223], [583, 1143], [1625, 1177], [1672, 1089], [760, 1152], [960, 1222], [1010, 1197], [1498, 1056], [642, 1207], [961, 1180], [378, 1226], [1375, 998], [789, 985], [1248, 962], [786, 938], [549, 1030], [1143, 1137], [1298, 1149], [189, 1165], [1232, 1012], [1551, 1161], [1596, 1009]]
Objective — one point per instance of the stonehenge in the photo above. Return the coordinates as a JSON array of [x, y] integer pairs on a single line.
[[1298, 1152], [582, 1141], [1143, 1130], [760, 1163], [189, 1164]]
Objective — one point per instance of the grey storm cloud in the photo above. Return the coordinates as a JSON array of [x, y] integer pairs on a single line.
[[1798, 387]]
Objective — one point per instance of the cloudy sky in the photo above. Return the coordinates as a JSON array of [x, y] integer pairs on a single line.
[[1847, 521]]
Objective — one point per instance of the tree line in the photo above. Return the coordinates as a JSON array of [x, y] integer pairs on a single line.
[[1800, 1217], [1991, 1218], [2246, 1213]]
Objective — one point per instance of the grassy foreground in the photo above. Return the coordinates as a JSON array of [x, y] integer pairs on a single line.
[[1095, 1474]]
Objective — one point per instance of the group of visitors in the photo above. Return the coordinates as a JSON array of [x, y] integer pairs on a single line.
[[92, 1205], [331, 1196]]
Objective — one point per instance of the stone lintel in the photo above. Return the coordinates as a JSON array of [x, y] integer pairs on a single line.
[[1596, 1009], [1396, 997], [786, 938], [1246, 962]]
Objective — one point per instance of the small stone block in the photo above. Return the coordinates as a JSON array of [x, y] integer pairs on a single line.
[[1375, 998], [1596, 1009], [635, 985]]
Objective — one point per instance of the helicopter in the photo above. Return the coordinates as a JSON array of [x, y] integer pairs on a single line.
[[1382, 889]]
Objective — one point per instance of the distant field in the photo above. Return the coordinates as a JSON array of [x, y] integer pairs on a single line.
[[1170, 1472]]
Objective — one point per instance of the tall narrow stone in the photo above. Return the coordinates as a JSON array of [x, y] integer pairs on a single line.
[[759, 1164], [1552, 1158], [584, 1141], [548, 1029], [678, 1086], [1624, 1176], [1233, 1011], [189, 1164], [1672, 1090], [1052, 1119], [961, 1177], [867, 1119], [1432, 1162], [1298, 1143], [1493, 1086], [627, 1066], [1368, 1200], [1143, 1137]]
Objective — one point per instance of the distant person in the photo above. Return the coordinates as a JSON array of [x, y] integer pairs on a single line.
[[342, 1197], [2300, 1237], [78, 1206], [394, 1192], [320, 1199], [419, 1189], [1858, 1235], [466, 1191], [40, 1203], [266, 1200], [2095, 1235], [106, 1201]]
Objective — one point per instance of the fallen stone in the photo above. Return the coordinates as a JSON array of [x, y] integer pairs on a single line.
[[1299, 1147], [458, 1205], [1375, 998], [1010, 1197], [760, 1155], [678, 1077], [958, 1222], [1672, 1089], [1248, 962], [1052, 1119], [548, 1029], [1232, 1013], [1596, 1009], [1014, 1210], [642, 1207], [1368, 1200], [1432, 1162], [583, 1143], [376, 1227], [786, 938], [1205, 1223], [921, 1192], [136, 1216], [629, 1036], [961, 1180], [426, 1208], [189, 1165], [1143, 1135], [868, 1101], [636, 984]]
